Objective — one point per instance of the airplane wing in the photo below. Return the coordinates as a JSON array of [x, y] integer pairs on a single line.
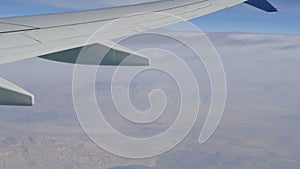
[[60, 37]]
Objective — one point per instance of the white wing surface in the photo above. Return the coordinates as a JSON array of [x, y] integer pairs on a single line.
[[60, 36], [32, 36]]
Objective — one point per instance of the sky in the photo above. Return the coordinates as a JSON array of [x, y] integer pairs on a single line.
[[241, 18], [260, 128]]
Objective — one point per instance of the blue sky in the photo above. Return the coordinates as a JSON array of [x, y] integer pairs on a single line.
[[242, 18]]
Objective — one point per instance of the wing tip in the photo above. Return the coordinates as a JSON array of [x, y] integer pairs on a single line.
[[262, 4]]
